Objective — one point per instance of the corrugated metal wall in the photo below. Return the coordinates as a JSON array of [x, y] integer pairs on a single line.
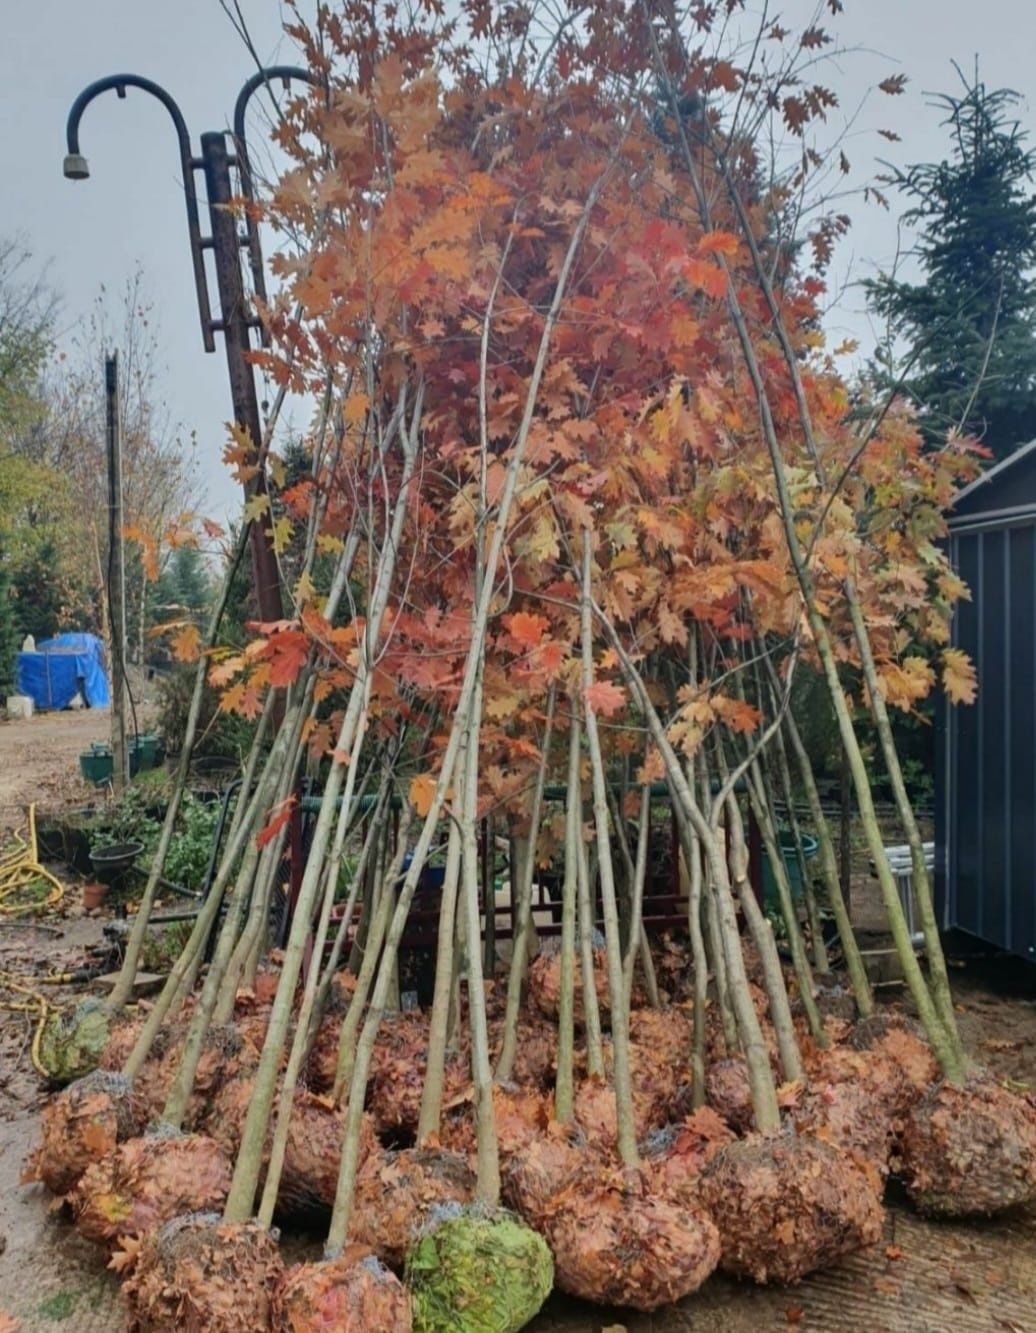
[[986, 811]]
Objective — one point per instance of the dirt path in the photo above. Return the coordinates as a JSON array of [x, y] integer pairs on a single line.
[[39, 760]]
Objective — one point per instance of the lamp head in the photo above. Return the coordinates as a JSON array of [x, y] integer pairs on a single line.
[[76, 167]]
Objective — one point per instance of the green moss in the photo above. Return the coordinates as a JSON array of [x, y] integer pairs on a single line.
[[59, 1306], [478, 1272], [72, 1043]]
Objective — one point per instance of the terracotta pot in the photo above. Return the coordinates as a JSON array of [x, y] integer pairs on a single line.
[[94, 895]]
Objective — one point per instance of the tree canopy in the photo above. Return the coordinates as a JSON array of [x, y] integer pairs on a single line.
[[967, 328]]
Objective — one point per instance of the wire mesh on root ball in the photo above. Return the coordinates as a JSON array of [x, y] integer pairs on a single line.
[[544, 983], [673, 1158], [519, 1116], [354, 1293], [476, 1271], [787, 1205], [397, 1192], [618, 1246], [536, 1174], [896, 1038], [71, 1043], [201, 1275], [82, 1124], [147, 1181], [970, 1150], [312, 1154], [845, 1115]]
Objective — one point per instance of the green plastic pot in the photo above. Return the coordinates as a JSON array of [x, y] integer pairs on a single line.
[[771, 898]]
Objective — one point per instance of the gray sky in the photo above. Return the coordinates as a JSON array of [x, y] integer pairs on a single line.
[[131, 210]]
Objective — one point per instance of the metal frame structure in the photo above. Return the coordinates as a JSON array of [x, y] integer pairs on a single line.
[[236, 319]]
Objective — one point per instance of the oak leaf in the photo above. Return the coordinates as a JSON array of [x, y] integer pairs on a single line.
[[605, 697], [422, 793], [958, 676]]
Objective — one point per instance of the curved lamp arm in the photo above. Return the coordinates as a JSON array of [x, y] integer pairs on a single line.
[[261, 78], [76, 168]]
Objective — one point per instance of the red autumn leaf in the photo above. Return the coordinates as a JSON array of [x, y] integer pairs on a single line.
[[893, 85], [605, 697], [279, 816], [527, 629], [288, 652], [710, 279], [717, 243]]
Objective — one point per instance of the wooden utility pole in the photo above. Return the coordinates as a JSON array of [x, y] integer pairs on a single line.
[[116, 574]]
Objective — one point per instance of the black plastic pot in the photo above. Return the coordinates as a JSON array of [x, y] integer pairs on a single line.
[[112, 865]]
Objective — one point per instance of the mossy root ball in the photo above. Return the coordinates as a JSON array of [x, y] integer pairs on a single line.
[[478, 1272]]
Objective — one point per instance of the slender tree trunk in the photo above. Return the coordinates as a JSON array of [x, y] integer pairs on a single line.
[[522, 913], [626, 1128], [563, 1085]]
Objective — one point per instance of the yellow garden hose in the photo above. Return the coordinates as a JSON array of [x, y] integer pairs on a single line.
[[20, 867]]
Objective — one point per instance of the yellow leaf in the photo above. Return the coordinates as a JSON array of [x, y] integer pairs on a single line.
[[304, 589], [330, 544], [958, 676], [355, 408], [277, 473], [185, 643], [281, 530], [422, 792], [256, 507]]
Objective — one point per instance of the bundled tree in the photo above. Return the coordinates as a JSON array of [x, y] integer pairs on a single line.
[[583, 470]]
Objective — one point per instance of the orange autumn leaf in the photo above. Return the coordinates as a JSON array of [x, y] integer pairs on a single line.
[[527, 629], [186, 643], [605, 697], [279, 817], [958, 676], [422, 793]]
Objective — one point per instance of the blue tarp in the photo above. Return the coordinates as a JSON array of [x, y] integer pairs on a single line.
[[62, 667]]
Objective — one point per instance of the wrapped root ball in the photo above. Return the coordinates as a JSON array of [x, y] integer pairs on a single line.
[[595, 1109], [322, 1061], [675, 1157], [619, 1248], [729, 1092], [72, 1043], [82, 1124], [545, 986], [519, 1116], [313, 1153], [785, 1206], [664, 1035], [970, 1151], [540, 1172], [851, 1116], [477, 1272], [224, 1056], [395, 1083], [201, 1275], [354, 1293], [397, 1192], [535, 1050], [151, 1082], [899, 1040], [148, 1181]]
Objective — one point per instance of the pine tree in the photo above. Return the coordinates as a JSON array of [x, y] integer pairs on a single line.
[[967, 328]]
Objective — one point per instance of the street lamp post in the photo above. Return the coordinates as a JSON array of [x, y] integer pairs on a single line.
[[235, 321]]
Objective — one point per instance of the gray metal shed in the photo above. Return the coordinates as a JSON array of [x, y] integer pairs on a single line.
[[985, 832]]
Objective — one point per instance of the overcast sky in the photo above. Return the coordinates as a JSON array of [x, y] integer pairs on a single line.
[[131, 210]]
